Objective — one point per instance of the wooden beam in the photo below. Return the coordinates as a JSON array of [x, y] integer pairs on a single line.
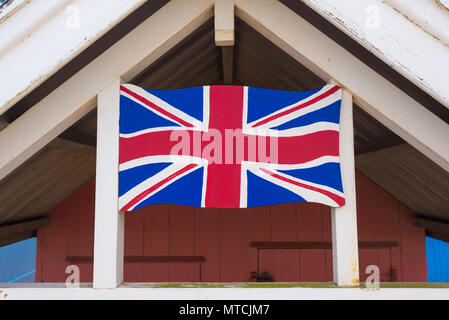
[[228, 62], [423, 44], [48, 23], [71, 134], [224, 22], [372, 92], [77, 96], [438, 236], [109, 221], [333, 28], [431, 225], [379, 144], [78, 136], [7, 240], [25, 226], [3, 123], [10, 233]]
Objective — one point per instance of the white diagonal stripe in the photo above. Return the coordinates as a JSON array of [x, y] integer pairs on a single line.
[[313, 107], [296, 131], [179, 159]]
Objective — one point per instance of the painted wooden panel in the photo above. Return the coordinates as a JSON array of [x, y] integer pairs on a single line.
[[222, 236], [232, 246], [80, 227], [411, 246], [284, 228], [134, 231], [207, 242], [313, 261], [52, 247], [258, 228], [181, 243]]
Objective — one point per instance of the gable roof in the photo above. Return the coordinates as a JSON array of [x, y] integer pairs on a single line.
[[197, 61]]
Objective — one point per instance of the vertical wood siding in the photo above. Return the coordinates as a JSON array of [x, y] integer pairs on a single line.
[[223, 237]]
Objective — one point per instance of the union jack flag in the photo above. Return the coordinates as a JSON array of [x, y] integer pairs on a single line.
[[303, 126]]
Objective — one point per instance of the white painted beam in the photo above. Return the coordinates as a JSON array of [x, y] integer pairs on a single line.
[[224, 22], [109, 221], [388, 104], [410, 36], [345, 253], [39, 37], [77, 96], [231, 291]]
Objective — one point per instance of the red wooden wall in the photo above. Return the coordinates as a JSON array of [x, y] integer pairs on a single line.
[[223, 236]]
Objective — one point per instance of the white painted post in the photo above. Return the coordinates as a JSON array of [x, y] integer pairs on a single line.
[[109, 221], [344, 220]]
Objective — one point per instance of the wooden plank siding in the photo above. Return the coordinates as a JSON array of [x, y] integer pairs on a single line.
[[224, 236]]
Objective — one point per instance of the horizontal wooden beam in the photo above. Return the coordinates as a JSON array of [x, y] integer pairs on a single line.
[[140, 259], [431, 225], [224, 291], [25, 226], [14, 232], [318, 244]]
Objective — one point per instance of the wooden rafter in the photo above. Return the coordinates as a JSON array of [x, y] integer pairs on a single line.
[[10, 233], [78, 136], [379, 144]]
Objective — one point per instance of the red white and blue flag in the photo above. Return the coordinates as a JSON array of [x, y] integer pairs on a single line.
[[229, 147]]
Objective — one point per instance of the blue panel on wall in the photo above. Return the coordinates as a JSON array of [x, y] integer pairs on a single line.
[[18, 261], [437, 260]]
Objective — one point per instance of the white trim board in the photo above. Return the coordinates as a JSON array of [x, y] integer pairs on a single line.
[[131, 292]]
